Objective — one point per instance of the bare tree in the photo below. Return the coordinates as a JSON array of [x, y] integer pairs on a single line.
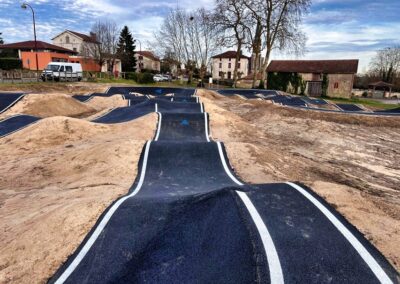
[[280, 21], [106, 33], [386, 64], [190, 37], [232, 18]]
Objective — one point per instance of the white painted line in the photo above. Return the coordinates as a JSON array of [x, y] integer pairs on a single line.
[[85, 249], [224, 164], [12, 104], [129, 102], [201, 108], [156, 107], [197, 99], [103, 114], [195, 93], [158, 126], [9, 117], [90, 98], [337, 106], [274, 265], [123, 97], [172, 99], [206, 126], [362, 251]]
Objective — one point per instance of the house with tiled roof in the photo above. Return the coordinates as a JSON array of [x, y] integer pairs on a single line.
[[75, 41], [223, 65], [147, 60], [338, 73]]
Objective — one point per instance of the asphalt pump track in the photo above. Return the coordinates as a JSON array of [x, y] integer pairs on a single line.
[[189, 219]]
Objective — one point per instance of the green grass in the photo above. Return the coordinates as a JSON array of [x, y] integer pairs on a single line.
[[365, 102]]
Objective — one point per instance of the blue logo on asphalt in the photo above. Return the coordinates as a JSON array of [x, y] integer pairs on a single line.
[[185, 122]]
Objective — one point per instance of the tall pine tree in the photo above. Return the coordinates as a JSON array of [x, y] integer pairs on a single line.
[[126, 50]]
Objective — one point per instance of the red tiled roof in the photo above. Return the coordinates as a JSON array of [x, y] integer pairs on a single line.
[[314, 66], [30, 44], [148, 54], [229, 54]]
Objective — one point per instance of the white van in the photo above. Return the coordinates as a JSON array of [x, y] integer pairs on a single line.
[[62, 71]]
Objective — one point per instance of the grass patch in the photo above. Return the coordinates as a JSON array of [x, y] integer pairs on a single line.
[[365, 102]]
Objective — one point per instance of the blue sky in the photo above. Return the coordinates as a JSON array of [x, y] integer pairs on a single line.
[[335, 29]]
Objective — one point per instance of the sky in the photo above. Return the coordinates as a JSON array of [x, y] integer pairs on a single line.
[[348, 29]]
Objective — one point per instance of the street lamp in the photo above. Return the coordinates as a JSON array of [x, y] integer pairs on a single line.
[[24, 6], [140, 55]]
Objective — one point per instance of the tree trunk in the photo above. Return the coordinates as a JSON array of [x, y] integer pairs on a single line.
[[264, 74], [256, 69], [237, 59]]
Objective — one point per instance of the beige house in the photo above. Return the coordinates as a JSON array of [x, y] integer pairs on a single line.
[[75, 41], [340, 74], [147, 60], [223, 65]]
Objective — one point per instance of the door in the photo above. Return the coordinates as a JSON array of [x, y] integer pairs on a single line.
[[314, 88]]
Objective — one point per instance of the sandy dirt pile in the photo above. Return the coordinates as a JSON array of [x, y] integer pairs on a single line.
[[73, 88], [52, 104], [352, 161], [101, 103], [59, 175]]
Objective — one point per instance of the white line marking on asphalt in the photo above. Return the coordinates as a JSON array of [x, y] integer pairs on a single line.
[[274, 265], [362, 251], [172, 99], [197, 99], [123, 97], [129, 103], [12, 104], [158, 126], [156, 107], [103, 114], [85, 249], [201, 107], [7, 118], [225, 165], [90, 98], [206, 126]]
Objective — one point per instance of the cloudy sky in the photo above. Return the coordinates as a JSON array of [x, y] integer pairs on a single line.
[[335, 29]]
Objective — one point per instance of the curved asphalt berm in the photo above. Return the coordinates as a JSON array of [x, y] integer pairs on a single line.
[[14, 123], [189, 219], [7, 100]]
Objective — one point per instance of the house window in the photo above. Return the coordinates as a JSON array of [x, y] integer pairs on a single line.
[[220, 65], [229, 75], [229, 59], [238, 65], [221, 74], [74, 49], [229, 65], [220, 59], [67, 39], [336, 85]]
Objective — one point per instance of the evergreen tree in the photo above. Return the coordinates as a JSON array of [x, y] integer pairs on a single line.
[[1, 39], [126, 50]]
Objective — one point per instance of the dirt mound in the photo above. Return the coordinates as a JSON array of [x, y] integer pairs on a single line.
[[58, 177], [100, 103], [53, 104], [350, 160]]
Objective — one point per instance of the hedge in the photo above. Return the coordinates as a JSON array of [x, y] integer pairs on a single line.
[[141, 78], [10, 63]]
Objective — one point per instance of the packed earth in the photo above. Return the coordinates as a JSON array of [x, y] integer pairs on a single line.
[[59, 174]]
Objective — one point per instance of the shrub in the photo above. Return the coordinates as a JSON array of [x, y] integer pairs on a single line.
[[144, 78], [10, 63], [364, 94]]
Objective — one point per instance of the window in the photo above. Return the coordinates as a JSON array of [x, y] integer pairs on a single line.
[[238, 65], [229, 75], [220, 65], [74, 49], [336, 85], [220, 59], [62, 69], [67, 39], [68, 68], [229, 65], [229, 59]]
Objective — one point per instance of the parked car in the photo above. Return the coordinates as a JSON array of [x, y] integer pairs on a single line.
[[158, 78], [166, 77], [62, 71]]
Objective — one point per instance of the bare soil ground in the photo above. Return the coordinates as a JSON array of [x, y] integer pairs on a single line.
[[352, 161], [57, 176]]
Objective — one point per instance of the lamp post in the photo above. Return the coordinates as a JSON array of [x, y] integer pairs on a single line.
[[24, 6], [140, 50]]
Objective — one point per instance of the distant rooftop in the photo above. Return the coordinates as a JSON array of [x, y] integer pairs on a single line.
[[148, 54], [87, 38], [41, 45], [314, 66], [229, 54]]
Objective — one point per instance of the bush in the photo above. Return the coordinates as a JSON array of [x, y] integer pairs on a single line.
[[142, 78], [364, 94], [10, 63]]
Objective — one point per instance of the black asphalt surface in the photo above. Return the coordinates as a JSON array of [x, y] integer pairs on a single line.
[[349, 107], [14, 123], [7, 100], [188, 219], [154, 91]]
